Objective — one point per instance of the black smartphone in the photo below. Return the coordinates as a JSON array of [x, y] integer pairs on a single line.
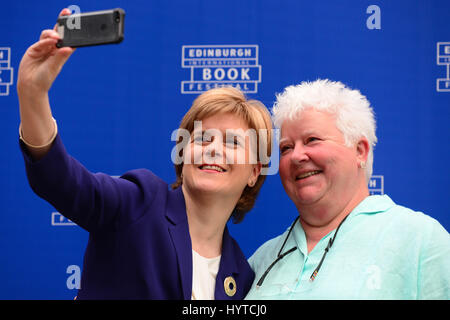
[[91, 28]]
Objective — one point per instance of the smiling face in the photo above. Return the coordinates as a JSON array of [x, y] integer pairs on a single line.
[[220, 157], [316, 167]]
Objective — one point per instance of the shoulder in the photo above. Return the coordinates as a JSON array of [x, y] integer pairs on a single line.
[[142, 193], [266, 253], [415, 221], [145, 180], [383, 210], [143, 176], [430, 242], [414, 229]]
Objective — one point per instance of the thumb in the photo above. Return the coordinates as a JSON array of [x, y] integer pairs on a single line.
[[60, 57]]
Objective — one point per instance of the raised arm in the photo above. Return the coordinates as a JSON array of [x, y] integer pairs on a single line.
[[93, 201], [39, 67]]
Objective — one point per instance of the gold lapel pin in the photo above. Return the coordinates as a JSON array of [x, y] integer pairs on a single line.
[[230, 286]]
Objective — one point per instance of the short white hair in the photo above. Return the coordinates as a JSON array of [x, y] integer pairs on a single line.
[[354, 115]]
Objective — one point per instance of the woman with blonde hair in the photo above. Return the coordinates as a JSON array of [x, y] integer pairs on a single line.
[[147, 241]]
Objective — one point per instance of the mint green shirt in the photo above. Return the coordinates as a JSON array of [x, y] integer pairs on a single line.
[[382, 251]]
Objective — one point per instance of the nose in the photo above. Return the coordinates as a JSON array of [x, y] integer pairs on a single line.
[[213, 151], [210, 152], [299, 154]]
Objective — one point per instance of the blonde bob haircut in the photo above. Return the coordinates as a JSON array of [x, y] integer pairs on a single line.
[[231, 100]]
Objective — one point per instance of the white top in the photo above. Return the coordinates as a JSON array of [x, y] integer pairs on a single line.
[[204, 272]]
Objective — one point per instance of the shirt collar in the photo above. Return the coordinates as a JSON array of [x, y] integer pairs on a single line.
[[370, 205], [373, 204]]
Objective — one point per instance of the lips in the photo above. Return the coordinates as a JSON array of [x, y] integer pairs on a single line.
[[307, 174], [213, 167]]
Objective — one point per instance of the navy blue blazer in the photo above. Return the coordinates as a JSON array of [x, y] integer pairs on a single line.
[[139, 244]]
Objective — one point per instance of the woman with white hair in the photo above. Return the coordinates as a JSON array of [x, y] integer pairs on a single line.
[[345, 243]]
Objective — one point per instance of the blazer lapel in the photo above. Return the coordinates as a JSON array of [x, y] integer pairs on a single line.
[[179, 233], [227, 270]]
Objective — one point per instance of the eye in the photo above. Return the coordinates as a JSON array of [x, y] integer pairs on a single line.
[[312, 139], [233, 142], [285, 148], [201, 138], [197, 139]]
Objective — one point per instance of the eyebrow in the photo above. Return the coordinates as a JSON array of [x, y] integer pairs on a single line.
[[311, 132], [305, 133], [228, 132], [232, 133]]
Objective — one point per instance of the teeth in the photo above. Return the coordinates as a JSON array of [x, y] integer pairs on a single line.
[[307, 174], [216, 168]]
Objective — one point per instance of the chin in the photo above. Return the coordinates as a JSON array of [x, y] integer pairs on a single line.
[[306, 197], [208, 187]]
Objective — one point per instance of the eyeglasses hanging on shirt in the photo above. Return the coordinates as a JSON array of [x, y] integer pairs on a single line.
[[281, 255]]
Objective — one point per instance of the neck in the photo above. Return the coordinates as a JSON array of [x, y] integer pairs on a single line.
[[319, 220], [207, 218]]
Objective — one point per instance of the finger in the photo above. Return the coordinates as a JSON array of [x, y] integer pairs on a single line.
[[44, 43], [42, 47], [64, 12], [48, 33], [64, 51], [60, 57]]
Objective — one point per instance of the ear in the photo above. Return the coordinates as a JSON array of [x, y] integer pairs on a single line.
[[256, 171], [362, 150]]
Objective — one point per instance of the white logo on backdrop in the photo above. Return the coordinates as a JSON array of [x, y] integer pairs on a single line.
[[59, 220], [443, 59], [376, 185], [214, 66], [6, 72]]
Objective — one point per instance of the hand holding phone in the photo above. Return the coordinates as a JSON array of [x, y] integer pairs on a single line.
[[91, 28]]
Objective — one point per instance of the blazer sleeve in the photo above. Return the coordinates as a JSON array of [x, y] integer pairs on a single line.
[[92, 201]]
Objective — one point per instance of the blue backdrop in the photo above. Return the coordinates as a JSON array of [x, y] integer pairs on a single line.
[[117, 105]]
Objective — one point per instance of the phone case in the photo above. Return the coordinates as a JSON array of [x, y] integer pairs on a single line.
[[91, 28]]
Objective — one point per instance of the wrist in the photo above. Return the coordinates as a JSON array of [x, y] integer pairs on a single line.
[[42, 145], [28, 91]]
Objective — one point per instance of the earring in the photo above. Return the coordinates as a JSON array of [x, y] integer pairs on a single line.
[[252, 184], [362, 164]]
